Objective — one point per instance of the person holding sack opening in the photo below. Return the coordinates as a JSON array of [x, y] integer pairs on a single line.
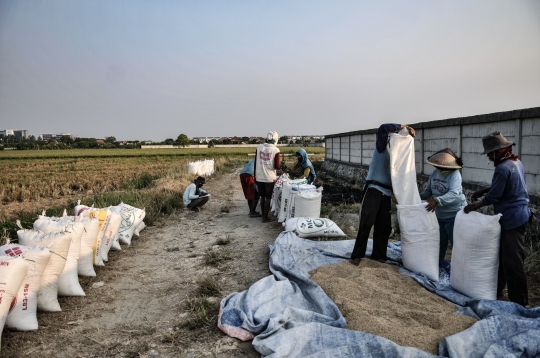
[[308, 171], [194, 196], [509, 197], [444, 194], [376, 203], [251, 194], [265, 166]]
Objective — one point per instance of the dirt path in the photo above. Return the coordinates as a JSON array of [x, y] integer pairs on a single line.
[[141, 308]]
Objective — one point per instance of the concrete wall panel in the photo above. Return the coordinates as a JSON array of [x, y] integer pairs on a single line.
[[530, 127], [530, 145], [507, 128]]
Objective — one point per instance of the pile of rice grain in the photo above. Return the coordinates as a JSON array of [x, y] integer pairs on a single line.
[[373, 297]]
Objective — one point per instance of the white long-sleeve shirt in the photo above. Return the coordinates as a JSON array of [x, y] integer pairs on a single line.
[[189, 194]]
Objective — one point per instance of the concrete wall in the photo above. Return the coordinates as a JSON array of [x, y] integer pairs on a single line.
[[462, 135]]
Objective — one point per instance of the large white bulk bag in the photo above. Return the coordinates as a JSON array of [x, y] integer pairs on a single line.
[[111, 232], [22, 316], [285, 197], [68, 282], [312, 227], [12, 271], [131, 219], [403, 169], [420, 239], [103, 215], [193, 167], [475, 255], [307, 202], [58, 244]]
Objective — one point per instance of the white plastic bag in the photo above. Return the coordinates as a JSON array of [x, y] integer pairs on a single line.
[[420, 239], [475, 255], [139, 228], [22, 316], [58, 244], [312, 227], [403, 169], [12, 271]]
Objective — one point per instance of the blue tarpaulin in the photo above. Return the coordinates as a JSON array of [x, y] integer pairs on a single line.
[[288, 315]]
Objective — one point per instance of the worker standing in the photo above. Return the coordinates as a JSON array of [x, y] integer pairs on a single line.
[[509, 197], [266, 163], [444, 195], [376, 203]]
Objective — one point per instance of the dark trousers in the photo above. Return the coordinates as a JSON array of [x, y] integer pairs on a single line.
[[375, 211], [511, 267], [197, 203]]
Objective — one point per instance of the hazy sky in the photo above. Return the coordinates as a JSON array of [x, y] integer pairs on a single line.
[[154, 69]]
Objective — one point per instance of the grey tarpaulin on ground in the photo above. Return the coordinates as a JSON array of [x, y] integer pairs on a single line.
[[290, 316]]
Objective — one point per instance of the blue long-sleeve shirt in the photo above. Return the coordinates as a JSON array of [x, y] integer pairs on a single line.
[[189, 194], [446, 188], [508, 194]]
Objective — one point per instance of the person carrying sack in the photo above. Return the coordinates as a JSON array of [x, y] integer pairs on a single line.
[[194, 196], [444, 194], [376, 203], [509, 197]]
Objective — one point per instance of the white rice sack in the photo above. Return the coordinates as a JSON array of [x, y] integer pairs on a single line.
[[116, 243], [475, 255], [79, 209], [68, 282], [131, 218], [103, 215], [22, 316], [403, 169], [12, 271], [58, 244], [285, 197], [307, 203], [139, 228], [111, 232], [420, 239], [312, 227], [88, 240]]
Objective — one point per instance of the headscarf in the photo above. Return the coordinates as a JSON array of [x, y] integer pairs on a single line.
[[307, 163], [272, 137], [382, 135]]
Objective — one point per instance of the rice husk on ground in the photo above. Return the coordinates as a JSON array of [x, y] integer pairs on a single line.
[[366, 296]]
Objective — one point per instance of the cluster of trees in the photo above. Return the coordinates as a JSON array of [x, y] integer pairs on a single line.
[[181, 140], [65, 142]]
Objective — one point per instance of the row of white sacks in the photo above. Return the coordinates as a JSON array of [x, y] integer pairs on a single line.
[[201, 167], [295, 198], [475, 251], [47, 260]]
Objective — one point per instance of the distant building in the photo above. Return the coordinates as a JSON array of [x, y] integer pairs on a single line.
[[57, 136], [20, 134]]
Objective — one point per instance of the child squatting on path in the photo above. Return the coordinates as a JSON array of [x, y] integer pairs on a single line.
[[444, 194]]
